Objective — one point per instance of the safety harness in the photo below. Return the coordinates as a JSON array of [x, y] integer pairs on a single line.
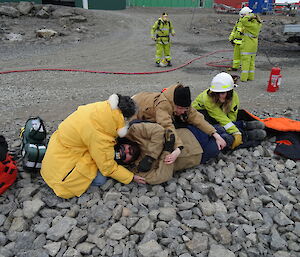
[[158, 28]]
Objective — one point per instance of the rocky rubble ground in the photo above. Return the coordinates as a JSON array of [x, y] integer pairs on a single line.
[[25, 22], [243, 204]]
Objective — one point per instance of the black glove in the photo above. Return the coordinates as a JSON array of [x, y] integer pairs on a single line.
[[231, 41], [3, 148], [145, 164]]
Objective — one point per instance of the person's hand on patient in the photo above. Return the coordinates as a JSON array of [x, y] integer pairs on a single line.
[[171, 158]]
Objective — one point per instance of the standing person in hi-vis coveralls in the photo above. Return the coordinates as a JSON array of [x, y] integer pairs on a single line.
[[235, 39], [160, 33], [251, 24]]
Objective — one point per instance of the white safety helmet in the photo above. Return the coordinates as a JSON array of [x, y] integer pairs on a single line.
[[245, 10], [222, 82]]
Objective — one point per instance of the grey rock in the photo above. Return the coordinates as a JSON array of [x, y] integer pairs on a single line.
[[9, 11], [149, 235], [282, 254], [31, 208], [167, 214], [112, 196], [141, 226], [229, 171], [61, 228], [218, 250], [297, 229], [172, 232], [290, 164], [223, 236], [25, 7], [77, 235], [52, 248], [198, 244], [208, 208], [71, 252], [253, 216], [85, 248], [185, 205], [39, 242], [198, 224], [117, 231], [2, 219], [282, 220], [186, 215], [277, 242], [43, 14], [271, 178], [43, 226], [101, 214], [150, 249], [3, 239], [18, 224], [117, 212]]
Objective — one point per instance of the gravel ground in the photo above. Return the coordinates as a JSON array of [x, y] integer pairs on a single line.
[[242, 204]]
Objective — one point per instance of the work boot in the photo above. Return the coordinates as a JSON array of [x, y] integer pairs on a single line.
[[169, 63], [232, 69], [169, 141], [254, 124], [157, 64], [256, 134]]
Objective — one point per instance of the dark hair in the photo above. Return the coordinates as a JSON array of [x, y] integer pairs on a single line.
[[127, 106], [134, 145]]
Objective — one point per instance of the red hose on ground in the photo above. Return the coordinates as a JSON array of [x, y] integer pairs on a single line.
[[129, 73]]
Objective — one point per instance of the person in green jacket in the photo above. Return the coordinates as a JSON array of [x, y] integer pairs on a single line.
[[160, 33], [220, 104], [235, 38], [251, 26]]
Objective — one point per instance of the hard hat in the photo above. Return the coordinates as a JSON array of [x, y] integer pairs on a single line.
[[222, 82], [245, 10]]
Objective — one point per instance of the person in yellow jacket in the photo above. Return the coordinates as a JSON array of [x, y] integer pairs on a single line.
[[83, 145], [172, 109], [235, 39], [251, 26], [160, 33], [220, 104]]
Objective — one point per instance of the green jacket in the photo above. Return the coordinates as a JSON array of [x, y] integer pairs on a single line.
[[251, 29], [236, 33], [162, 30], [205, 102]]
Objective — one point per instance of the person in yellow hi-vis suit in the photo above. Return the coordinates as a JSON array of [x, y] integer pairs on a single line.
[[251, 24], [160, 33], [235, 39]]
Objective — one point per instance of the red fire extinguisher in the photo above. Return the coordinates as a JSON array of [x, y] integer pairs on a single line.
[[274, 80]]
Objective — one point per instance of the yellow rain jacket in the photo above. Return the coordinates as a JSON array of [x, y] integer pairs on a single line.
[[82, 145]]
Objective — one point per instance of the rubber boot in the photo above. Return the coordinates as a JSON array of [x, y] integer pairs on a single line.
[[256, 134], [254, 124]]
